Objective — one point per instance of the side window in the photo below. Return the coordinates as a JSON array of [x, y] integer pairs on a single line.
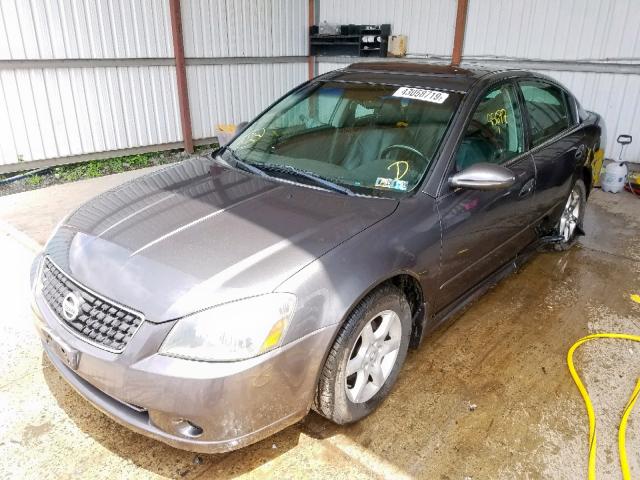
[[495, 133], [547, 110]]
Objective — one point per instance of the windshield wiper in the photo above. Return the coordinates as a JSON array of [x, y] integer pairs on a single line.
[[287, 168], [244, 165], [310, 176]]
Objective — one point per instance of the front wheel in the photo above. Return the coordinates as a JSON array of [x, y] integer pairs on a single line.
[[572, 216], [366, 357]]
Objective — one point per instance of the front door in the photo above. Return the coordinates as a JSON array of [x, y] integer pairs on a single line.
[[482, 230]]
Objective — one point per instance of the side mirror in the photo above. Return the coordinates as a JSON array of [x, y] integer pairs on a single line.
[[483, 176]]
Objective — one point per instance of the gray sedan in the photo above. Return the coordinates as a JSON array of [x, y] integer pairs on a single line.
[[216, 301]]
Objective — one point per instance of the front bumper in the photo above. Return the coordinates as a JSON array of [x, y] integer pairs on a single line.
[[234, 403]]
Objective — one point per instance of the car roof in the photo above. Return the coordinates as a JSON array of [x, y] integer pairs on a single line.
[[403, 73]]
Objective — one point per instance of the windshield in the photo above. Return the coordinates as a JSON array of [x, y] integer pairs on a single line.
[[373, 139]]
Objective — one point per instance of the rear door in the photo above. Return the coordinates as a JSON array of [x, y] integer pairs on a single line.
[[482, 230], [557, 142]]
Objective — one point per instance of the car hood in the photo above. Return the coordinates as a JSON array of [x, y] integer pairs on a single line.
[[197, 234]]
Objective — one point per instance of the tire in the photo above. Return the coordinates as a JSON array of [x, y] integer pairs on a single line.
[[569, 216], [346, 398]]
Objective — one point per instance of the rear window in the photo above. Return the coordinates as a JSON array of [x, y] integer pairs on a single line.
[[547, 109]]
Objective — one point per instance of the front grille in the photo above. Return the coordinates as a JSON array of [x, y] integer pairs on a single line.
[[99, 321]]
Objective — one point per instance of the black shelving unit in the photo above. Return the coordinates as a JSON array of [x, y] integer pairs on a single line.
[[353, 41], [373, 40], [335, 45]]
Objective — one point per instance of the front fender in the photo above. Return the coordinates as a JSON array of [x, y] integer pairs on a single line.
[[407, 242]]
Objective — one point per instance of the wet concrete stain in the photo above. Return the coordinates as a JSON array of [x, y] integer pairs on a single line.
[[32, 432]]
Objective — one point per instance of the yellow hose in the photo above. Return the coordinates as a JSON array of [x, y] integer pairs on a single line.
[[587, 402], [623, 430]]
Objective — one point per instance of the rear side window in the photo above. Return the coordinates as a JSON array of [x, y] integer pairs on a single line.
[[547, 109]]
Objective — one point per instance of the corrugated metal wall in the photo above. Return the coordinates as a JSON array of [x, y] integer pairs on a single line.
[[50, 112], [566, 37], [324, 67], [124, 94], [58, 112], [44, 29], [552, 30], [245, 28], [235, 93], [241, 28]]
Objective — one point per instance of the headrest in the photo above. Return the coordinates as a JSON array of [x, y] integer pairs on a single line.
[[417, 113], [423, 113], [390, 114]]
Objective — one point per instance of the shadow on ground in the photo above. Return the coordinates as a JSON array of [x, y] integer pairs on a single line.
[[127, 444]]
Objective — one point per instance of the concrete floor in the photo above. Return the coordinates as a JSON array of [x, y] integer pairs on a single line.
[[487, 396]]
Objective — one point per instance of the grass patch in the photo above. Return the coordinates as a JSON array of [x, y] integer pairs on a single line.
[[98, 168], [34, 180], [202, 148], [94, 168]]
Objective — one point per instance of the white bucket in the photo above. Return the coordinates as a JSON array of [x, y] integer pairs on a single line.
[[613, 177]]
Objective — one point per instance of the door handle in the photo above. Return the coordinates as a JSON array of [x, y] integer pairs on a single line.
[[527, 188], [580, 151]]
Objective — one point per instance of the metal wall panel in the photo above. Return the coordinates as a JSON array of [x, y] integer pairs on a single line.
[[428, 24], [57, 112], [49, 113], [233, 93], [245, 28], [553, 30], [50, 29], [324, 67], [54, 111], [614, 96]]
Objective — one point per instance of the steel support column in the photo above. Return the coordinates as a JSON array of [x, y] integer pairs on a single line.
[[458, 39], [311, 61], [181, 74]]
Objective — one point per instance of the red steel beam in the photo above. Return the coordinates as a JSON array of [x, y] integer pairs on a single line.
[[181, 74], [458, 39], [311, 20]]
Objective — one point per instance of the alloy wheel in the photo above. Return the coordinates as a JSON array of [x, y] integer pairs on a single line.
[[373, 356], [570, 215]]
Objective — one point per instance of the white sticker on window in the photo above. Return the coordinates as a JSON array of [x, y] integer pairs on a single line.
[[395, 184], [432, 96]]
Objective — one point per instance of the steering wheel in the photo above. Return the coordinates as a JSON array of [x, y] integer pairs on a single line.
[[490, 137], [399, 146]]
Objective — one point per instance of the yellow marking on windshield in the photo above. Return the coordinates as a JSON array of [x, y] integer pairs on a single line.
[[499, 117], [253, 138], [398, 166]]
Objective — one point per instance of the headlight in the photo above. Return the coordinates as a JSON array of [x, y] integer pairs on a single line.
[[232, 331]]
